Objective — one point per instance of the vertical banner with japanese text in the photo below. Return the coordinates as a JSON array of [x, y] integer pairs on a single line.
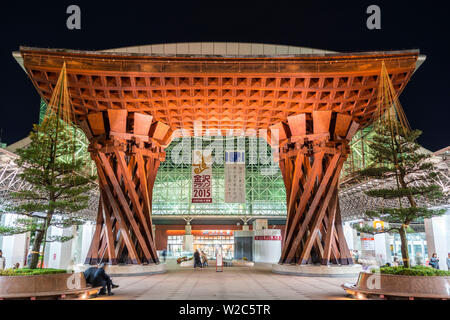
[[201, 176], [235, 176]]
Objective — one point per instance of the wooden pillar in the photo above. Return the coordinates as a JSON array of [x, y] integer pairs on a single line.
[[127, 149], [313, 148]]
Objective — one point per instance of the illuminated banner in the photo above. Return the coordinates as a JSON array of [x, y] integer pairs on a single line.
[[217, 232], [235, 176], [201, 176]]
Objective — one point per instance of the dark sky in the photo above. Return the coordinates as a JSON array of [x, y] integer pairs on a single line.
[[334, 25]]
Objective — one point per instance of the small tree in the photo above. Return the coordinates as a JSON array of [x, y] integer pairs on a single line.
[[400, 157], [58, 189]]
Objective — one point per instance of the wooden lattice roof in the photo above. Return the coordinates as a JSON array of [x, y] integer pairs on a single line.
[[222, 92]]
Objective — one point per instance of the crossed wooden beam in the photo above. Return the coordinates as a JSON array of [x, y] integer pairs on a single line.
[[312, 150], [127, 149]]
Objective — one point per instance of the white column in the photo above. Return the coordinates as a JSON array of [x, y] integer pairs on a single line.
[[267, 245], [14, 247], [382, 250], [188, 239], [59, 253], [87, 233], [188, 243], [437, 230], [187, 229], [348, 234]]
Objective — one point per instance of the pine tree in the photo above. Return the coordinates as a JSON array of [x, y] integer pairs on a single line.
[[58, 186], [400, 157]]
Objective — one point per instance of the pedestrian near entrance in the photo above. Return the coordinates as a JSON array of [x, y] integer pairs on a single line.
[[356, 256], [204, 259], [197, 259], [164, 254], [448, 261], [2, 261], [395, 260], [419, 260], [434, 261]]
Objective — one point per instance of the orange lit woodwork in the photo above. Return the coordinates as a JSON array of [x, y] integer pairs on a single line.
[[129, 106]]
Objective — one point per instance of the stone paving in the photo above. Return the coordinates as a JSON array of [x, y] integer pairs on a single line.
[[238, 283]]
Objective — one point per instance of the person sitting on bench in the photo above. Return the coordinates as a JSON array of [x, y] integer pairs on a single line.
[[89, 274], [97, 277]]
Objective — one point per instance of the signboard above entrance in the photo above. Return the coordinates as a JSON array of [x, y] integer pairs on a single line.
[[217, 232]]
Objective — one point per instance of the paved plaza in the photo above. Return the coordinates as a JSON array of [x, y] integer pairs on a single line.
[[257, 283]]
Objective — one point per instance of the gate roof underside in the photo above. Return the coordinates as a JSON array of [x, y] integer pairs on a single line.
[[240, 92]]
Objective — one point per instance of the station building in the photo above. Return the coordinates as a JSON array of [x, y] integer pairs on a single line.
[[253, 229]]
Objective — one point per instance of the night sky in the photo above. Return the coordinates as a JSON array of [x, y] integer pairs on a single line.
[[330, 25]]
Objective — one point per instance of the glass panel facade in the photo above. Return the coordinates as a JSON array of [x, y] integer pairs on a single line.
[[174, 246], [265, 191], [417, 247], [211, 244]]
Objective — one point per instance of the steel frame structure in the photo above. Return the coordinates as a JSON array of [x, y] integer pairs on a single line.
[[355, 202], [265, 192], [10, 181]]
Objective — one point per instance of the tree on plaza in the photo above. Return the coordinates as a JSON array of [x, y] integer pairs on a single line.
[[58, 186], [400, 157]]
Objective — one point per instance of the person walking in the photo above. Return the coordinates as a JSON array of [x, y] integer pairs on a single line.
[[395, 260], [434, 261], [197, 259], [356, 256], [448, 261], [419, 260], [164, 254], [2, 261], [204, 259]]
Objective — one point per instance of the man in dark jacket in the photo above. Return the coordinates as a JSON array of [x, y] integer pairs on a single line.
[[197, 259], [101, 279], [89, 275]]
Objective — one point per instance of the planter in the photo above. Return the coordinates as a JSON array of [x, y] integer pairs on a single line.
[[124, 270], [41, 285], [331, 271], [435, 287]]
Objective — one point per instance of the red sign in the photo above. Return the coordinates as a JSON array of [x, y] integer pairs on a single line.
[[278, 238]]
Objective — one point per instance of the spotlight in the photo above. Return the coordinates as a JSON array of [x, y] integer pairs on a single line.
[[360, 296]]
